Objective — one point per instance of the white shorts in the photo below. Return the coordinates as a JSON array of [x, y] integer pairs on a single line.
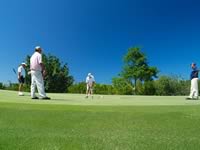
[[89, 87]]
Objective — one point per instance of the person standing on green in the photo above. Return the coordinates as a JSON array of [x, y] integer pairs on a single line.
[[194, 90]]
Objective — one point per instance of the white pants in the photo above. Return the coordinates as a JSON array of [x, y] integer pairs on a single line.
[[37, 80], [194, 91], [89, 89]]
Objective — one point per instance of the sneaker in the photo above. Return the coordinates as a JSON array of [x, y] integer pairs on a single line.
[[46, 98], [188, 98], [34, 98]]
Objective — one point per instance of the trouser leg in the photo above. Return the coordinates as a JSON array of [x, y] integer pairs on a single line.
[[33, 84], [40, 84], [194, 91]]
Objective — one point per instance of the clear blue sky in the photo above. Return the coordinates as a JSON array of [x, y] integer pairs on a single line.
[[94, 35]]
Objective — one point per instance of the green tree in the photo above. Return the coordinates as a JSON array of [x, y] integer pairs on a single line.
[[137, 68], [78, 88], [27, 69], [58, 79], [2, 86], [172, 85], [122, 86], [140, 87], [104, 89], [149, 88], [98, 88]]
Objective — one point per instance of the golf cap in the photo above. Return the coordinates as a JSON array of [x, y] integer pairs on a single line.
[[89, 74], [24, 64], [193, 63], [37, 47]]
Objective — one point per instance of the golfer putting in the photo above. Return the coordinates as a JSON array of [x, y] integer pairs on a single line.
[[90, 82], [38, 74], [194, 91], [20, 76]]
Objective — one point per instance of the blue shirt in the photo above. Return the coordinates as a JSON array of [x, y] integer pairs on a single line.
[[194, 73]]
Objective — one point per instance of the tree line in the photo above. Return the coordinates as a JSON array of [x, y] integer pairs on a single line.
[[163, 86], [136, 78]]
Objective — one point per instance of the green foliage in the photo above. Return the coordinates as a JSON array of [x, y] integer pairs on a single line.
[[122, 86], [2, 86], [140, 88], [149, 88], [104, 89], [27, 69], [164, 85], [58, 78], [12, 86], [98, 88], [172, 85], [78, 88], [15, 87], [136, 67]]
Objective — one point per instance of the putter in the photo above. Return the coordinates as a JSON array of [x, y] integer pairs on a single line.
[[14, 71]]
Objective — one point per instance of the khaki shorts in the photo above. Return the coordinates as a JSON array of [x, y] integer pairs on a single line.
[[89, 87]]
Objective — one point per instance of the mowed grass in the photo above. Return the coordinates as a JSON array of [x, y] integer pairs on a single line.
[[71, 122]]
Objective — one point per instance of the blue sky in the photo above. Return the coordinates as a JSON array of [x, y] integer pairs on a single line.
[[94, 35]]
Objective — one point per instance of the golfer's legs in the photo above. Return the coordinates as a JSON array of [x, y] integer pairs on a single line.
[[91, 91], [87, 90], [33, 84], [194, 88], [195, 84], [20, 87], [40, 84]]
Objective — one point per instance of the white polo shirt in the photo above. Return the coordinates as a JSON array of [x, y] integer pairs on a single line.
[[90, 80], [21, 70], [35, 61]]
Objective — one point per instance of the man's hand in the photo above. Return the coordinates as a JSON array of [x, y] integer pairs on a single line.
[[44, 74], [29, 72]]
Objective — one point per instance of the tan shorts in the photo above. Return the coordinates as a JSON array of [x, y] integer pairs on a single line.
[[89, 87]]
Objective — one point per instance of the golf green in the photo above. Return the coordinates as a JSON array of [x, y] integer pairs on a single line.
[[72, 122]]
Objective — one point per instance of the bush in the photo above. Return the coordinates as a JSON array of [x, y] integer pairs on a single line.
[[78, 88], [104, 89], [2, 86], [98, 88], [122, 87], [149, 88], [171, 85]]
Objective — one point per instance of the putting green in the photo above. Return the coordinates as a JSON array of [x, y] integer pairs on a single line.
[[71, 122], [104, 100]]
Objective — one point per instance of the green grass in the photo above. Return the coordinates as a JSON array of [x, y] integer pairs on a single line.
[[71, 122]]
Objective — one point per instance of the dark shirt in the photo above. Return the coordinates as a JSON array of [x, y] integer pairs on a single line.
[[194, 74]]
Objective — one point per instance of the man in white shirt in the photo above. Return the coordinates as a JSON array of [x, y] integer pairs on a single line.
[[20, 76], [90, 81], [38, 73]]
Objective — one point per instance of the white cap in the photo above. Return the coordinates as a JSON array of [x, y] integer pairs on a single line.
[[24, 63], [89, 74], [37, 47]]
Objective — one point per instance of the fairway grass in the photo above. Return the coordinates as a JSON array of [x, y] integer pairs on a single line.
[[71, 122]]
